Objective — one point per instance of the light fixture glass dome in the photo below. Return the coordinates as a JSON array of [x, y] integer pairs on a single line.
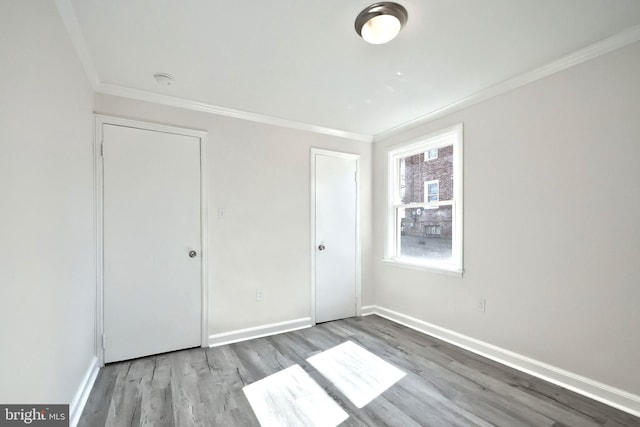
[[381, 22], [381, 29]]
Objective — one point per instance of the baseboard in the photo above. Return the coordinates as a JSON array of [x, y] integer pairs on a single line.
[[366, 310], [259, 331], [604, 393], [80, 399]]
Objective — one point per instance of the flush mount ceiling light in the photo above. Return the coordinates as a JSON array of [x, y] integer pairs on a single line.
[[163, 79], [381, 22]]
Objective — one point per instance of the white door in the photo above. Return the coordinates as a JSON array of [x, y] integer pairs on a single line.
[[151, 237], [335, 236]]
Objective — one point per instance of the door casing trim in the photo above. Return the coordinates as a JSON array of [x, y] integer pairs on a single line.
[[99, 121], [339, 154]]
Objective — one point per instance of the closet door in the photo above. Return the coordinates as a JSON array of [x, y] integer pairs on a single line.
[[335, 236], [151, 236]]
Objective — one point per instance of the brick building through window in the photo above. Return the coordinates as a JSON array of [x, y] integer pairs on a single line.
[[424, 178]]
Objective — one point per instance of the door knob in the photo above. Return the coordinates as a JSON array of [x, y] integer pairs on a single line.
[[192, 254], [321, 247]]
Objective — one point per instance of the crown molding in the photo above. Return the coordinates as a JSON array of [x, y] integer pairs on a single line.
[[70, 20], [67, 13], [157, 98], [617, 41]]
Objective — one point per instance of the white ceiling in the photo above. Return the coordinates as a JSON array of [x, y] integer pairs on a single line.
[[302, 61]]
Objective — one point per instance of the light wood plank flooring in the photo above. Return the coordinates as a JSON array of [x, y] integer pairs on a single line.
[[444, 385]]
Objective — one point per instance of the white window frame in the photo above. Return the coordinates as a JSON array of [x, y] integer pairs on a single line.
[[450, 136], [427, 154], [426, 190]]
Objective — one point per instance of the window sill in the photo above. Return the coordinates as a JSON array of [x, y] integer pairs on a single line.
[[450, 271]]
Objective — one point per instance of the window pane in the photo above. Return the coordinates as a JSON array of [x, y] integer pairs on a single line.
[[425, 233], [403, 184], [415, 172], [433, 192]]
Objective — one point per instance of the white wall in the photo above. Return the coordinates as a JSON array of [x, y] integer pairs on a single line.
[[260, 175], [47, 279], [552, 224], [551, 217]]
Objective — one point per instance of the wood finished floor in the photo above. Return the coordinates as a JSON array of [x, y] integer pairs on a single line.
[[444, 385]]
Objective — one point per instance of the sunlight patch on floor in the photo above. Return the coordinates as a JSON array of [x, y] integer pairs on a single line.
[[292, 398], [359, 374]]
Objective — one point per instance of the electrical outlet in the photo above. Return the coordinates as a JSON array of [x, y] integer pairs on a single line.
[[482, 305], [259, 294]]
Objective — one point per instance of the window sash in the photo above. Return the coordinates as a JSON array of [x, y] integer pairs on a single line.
[[397, 234], [428, 205]]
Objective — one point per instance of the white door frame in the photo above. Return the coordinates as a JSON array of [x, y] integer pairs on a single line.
[[101, 120], [356, 157]]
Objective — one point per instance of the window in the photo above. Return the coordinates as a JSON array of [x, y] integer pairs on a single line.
[[431, 154], [432, 230], [432, 191], [425, 202]]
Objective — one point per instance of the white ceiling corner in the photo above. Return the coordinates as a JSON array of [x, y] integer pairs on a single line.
[[301, 65], [70, 20], [617, 41], [158, 98]]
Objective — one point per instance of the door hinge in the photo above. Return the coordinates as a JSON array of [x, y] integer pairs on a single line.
[[355, 176], [102, 149]]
